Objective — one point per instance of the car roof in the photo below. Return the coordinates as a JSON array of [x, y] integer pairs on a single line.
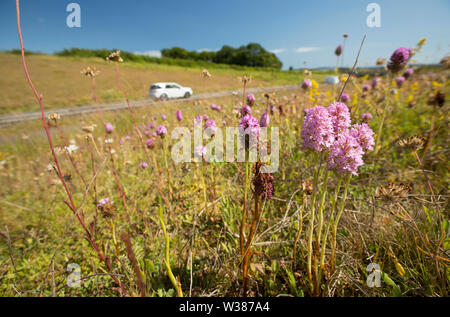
[[172, 83]]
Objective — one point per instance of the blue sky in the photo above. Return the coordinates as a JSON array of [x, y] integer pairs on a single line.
[[298, 31]]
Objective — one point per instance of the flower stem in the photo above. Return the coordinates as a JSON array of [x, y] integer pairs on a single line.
[[244, 212]]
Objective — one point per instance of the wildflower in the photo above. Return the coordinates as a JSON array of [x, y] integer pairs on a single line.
[[306, 84], [114, 57], [408, 73], [438, 99], [150, 143], [143, 165], [413, 143], [317, 130], [399, 81], [345, 97], [163, 117], [340, 117], [109, 127], [366, 88], [366, 117], [338, 50], [71, 148], [205, 117], [198, 119], [346, 155], [399, 59], [249, 125], [245, 110], [179, 116], [200, 152], [265, 119], [89, 128], [211, 126], [109, 141], [245, 79], [106, 206], [263, 182], [215, 107], [364, 135], [161, 131], [54, 117], [445, 62], [251, 99], [151, 125], [375, 82]]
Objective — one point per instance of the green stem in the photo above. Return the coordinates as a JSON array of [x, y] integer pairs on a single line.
[[167, 254], [167, 167], [204, 187], [386, 103], [244, 212], [330, 220], [338, 217]]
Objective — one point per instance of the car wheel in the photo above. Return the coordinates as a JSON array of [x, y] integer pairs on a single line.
[[187, 95], [164, 97]]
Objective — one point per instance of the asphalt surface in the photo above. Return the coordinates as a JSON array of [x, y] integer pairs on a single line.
[[73, 111]]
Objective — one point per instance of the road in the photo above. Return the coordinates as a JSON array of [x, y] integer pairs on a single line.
[[72, 111]]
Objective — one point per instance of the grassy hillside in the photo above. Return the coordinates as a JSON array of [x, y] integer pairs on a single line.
[[62, 85]]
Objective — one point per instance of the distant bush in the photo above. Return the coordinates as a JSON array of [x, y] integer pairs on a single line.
[[252, 55]]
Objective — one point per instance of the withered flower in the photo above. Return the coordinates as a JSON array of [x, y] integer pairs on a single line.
[[53, 119], [115, 57], [245, 79], [89, 128], [393, 191], [445, 62], [413, 143], [381, 61], [263, 182]]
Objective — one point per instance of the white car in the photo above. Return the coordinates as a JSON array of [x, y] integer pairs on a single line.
[[165, 91], [333, 80]]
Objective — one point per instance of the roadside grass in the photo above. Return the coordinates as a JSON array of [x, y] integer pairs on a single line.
[[62, 85]]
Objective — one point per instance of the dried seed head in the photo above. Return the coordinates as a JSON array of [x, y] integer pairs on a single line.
[[413, 143], [438, 99], [381, 61], [90, 72], [393, 191], [89, 128], [263, 182], [245, 79], [445, 62], [307, 187], [115, 57], [206, 73]]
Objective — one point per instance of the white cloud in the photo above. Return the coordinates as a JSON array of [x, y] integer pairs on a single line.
[[277, 50], [149, 53], [207, 50], [306, 49]]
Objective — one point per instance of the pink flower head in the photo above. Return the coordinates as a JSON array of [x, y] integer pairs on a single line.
[[150, 143], [399, 59], [364, 135], [345, 97], [143, 165], [163, 117], [265, 120], [366, 88], [317, 130], [127, 138], [215, 107], [205, 117], [245, 110], [200, 152], [251, 99], [338, 50], [104, 202], [161, 131], [198, 119], [211, 126], [375, 82], [340, 117], [249, 125], [306, 84], [346, 155], [408, 73], [179, 116], [151, 125], [366, 117], [399, 81], [109, 127]]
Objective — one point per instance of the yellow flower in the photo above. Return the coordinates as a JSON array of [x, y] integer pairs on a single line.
[[435, 84]]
